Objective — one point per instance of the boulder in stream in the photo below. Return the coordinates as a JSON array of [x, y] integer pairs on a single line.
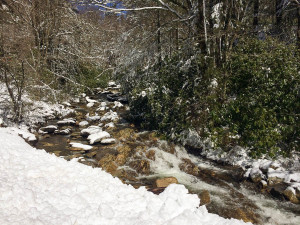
[[141, 166], [49, 129], [290, 194], [83, 123], [110, 116], [189, 167], [108, 141], [90, 104], [204, 197], [66, 131], [92, 118], [81, 146], [97, 137], [165, 182], [90, 130], [66, 121]]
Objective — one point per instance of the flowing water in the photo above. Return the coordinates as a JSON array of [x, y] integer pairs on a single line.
[[140, 157]]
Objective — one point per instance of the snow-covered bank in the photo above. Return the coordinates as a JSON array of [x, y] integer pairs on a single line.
[[39, 188], [264, 170], [34, 112]]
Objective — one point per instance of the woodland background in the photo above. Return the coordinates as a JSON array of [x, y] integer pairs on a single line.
[[227, 69]]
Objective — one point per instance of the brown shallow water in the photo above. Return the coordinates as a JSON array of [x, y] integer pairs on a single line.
[[139, 158]]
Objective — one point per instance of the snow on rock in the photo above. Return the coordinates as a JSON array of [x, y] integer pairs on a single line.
[[82, 146], [90, 104], [83, 123], [256, 175], [1, 122], [110, 116], [103, 106], [66, 131], [40, 188], [66, 103], [48, 129], [296, 186], [112, 84], [90, 130], [108, 141], [90, 100], [92, 118], [67, 121], [117, 104], [110, 125], [237, 156], [97, 137], [293, 177]]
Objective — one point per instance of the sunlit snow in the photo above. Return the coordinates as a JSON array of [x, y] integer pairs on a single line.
[[39, 188]]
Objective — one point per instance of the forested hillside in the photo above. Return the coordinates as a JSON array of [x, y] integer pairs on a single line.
[[226, 70]]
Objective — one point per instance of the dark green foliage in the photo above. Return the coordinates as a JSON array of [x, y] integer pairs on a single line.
[[253, 100], [91, 76], [264, 82]]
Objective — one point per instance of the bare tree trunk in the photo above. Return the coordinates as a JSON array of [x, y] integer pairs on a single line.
[[278, 8], [159, 38], [204, 26], [177, 38], [224, 38], [201, 28], [298, 30], [255, 15], [278, 20]]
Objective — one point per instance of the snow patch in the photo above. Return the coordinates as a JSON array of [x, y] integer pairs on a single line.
[[82, 146], [40, 188]]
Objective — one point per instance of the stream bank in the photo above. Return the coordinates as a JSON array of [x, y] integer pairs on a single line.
[[140, 158]]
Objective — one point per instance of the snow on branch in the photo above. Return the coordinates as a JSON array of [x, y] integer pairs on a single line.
[[103, 4]]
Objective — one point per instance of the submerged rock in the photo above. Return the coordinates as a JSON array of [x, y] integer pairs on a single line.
[[126, 134], [189, 167], [204, 197], [126, 175], [151, 154], [108, 163], [165, 182], [167, 147], [141, 166]]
